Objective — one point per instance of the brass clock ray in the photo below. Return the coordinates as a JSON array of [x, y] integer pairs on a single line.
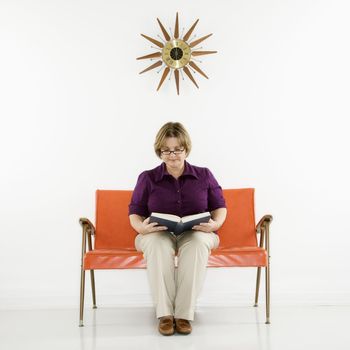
[[176, 53]]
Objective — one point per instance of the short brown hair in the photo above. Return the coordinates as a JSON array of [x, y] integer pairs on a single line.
[[171, 129]]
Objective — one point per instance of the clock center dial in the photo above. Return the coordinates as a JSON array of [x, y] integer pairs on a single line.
[[176, 53]]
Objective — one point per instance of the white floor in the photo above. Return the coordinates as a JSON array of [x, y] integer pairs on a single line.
[[292, 327]]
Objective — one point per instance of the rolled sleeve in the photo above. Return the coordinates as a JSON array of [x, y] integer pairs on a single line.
[[215, 196], [139, 199]]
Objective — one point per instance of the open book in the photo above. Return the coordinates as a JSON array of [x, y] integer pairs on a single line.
[[178, 225]]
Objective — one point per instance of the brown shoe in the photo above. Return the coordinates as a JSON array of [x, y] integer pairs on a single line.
[[166, 325], [183, 326]]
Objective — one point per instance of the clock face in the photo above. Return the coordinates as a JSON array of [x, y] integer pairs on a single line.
[[176, 53]]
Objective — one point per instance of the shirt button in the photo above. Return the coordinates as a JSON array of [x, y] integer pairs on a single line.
[[178, 191], [179, 202]]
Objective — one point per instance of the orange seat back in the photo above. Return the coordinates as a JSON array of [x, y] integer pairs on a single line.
[[113, 229], [238, 229]]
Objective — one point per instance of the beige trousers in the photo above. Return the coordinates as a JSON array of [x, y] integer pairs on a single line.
[[175, 292]]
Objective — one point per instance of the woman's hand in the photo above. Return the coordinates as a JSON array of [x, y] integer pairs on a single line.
[[147, 227], [208, 227]]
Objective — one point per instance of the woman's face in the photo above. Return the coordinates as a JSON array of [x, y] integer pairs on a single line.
[[173, 160]]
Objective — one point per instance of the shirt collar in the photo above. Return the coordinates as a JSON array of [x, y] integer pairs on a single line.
[[162, 171]]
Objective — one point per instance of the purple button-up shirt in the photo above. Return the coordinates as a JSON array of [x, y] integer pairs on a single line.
[[195, 191]]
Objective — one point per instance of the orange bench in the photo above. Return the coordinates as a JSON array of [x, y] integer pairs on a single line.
[[114, 248]]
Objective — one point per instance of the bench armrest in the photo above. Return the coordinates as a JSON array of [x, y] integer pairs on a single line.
[[90, 228], [88, 231], [264, 221]]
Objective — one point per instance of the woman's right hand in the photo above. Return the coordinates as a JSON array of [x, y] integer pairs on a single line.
[[147, 227]]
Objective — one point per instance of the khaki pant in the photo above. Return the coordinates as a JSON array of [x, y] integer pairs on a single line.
[[175, 292]]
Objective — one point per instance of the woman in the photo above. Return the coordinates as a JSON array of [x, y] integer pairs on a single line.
[[179, 188]]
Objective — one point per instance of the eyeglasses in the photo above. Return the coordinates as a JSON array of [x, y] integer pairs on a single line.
[[176, 152]]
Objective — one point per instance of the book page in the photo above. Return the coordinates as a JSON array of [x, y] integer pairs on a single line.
[[196, 216], [170, 217]]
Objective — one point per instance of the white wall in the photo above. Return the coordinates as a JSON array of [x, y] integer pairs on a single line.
[[76, 116]]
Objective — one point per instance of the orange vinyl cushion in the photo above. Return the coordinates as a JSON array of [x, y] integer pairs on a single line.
[[114, 237]]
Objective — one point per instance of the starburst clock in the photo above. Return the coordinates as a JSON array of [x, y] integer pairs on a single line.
[[176, 54]]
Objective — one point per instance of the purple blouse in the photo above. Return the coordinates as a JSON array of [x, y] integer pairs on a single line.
[[195, 191]]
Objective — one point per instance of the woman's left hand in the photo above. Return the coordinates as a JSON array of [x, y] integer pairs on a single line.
[[208, 227]]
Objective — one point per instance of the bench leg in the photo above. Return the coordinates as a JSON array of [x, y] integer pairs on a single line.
[[267, 276], [92, 277], [257, 286], [267, 286], [82, 290]]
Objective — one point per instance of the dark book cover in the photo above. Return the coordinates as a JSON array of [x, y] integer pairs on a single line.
[[178, 227]]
